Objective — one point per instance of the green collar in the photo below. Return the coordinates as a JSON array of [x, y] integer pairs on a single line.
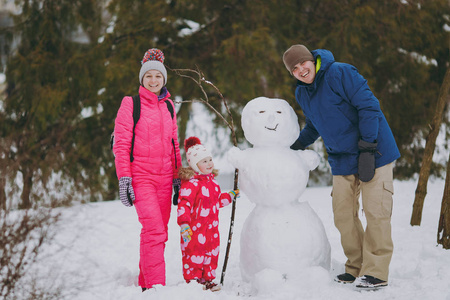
[[318, 63]]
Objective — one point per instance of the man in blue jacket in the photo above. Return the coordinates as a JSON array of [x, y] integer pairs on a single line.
[[340, 107]]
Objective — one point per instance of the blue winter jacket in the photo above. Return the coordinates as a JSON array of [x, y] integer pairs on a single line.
[[340, 107]]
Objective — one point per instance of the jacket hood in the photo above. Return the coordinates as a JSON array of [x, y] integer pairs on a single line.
[[188, 173], [326, 60]]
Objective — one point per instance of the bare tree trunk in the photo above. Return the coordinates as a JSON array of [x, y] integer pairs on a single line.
[[443, 235], [430, 145], [3, 176], [26, 192], [2, 193]]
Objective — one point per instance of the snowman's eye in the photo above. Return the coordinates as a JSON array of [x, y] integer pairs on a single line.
[[262, 111], [278, 111]]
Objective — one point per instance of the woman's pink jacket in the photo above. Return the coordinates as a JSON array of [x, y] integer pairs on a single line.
[[156, 148]]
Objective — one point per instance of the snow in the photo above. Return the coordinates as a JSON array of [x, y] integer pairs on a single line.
[[191, 28], [96, 252]]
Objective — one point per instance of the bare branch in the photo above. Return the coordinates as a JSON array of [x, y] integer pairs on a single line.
[[199, 82]]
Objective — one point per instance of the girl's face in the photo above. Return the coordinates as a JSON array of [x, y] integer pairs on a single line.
[[153, 81], [206, 165], [305, 71]]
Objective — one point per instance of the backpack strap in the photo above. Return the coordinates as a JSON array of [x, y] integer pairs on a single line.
[[169, 107], [136, 116]]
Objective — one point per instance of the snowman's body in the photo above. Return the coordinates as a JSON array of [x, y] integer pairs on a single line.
[[281, 233]]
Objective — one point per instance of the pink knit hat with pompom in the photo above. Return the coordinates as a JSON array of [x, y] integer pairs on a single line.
[[153, 60]]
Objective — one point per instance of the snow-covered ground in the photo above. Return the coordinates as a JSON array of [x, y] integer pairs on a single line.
[[96, 252]]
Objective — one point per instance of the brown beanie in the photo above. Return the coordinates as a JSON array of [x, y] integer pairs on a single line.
[[296, 54]]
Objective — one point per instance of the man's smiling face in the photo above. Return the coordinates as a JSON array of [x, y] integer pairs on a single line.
[[305, 71]]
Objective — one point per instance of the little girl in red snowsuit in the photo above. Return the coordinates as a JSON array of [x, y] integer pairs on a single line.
[[198, 215]]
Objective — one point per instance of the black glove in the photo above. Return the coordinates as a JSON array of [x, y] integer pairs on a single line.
[[126, 192], [297, 146], [366, 161], [176, 190]]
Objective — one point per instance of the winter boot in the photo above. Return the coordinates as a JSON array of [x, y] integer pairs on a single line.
[[370, 282], [209, 285], [345, 278], [214, 287]]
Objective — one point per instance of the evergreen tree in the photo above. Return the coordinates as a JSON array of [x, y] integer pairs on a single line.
[[49, 81], [401, 47], [53, 77]]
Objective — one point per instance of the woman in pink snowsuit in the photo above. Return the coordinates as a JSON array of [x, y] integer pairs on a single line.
[[147, 180], [198, 215]]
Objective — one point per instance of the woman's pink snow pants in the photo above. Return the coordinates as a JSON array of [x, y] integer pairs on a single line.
[[153, 204]]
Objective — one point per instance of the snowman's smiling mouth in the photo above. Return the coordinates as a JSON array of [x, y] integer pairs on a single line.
[[274, 129]]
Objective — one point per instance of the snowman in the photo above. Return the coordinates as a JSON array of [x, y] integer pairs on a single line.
[[282, 235]]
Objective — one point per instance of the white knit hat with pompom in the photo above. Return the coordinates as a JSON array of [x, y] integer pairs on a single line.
[[153, 60], [195, 152]]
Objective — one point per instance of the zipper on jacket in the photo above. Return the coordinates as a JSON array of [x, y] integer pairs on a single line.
[[161, 128]]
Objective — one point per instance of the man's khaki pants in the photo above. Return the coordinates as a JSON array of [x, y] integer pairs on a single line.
[[369, 252]]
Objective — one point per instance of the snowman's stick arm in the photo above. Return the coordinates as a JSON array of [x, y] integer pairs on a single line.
[[201, 79]]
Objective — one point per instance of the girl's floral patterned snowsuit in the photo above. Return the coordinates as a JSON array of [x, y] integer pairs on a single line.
[[198, 206]]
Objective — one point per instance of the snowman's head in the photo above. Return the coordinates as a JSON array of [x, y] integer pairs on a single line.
[[270, 122]]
